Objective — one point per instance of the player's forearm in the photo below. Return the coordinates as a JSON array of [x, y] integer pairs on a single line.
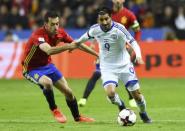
[[59, 49], [87, 49], [136, 48]]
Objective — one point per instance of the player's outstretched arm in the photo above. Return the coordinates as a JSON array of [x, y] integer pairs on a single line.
[[88, 50], [55, 50], [85, 48]]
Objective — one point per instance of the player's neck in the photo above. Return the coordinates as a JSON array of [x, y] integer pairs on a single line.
[[49, 33]]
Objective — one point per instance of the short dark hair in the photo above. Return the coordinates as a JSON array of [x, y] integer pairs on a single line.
[[104, 10], [51, 14]]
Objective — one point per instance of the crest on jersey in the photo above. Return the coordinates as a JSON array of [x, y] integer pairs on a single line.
[[123, 20], [36, 76], [41, 39], [114, 36]]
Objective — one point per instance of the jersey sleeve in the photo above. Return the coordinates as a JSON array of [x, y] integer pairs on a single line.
[[86, 36], [37, 40], [129, 39]]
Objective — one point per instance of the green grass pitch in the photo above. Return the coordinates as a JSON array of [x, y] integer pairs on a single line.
[[23, 107]]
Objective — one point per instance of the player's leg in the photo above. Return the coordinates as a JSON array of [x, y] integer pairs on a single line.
[[38, 77], [89, 88], [47, 84], [131, 83], [91, 84], [113, 97], [140, 100], [110, 81], [63, 87], [132, 102], [131, 52]]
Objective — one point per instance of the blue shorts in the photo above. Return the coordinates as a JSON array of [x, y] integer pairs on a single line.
[[49, 70]]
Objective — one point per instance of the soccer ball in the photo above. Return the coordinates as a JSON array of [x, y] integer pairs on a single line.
[[126, 117]]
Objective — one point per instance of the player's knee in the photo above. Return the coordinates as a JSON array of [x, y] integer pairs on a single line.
[[137, 95], [133, 88], [110, 90], [48, 84], [138, 98], [96, 75], [111, 93]]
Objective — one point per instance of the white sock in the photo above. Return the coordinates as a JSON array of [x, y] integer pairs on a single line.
[[116, 100], [142, 104]]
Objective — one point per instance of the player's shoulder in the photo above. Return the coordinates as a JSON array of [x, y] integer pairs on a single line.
[[39, 32], [94, 29], [119, 28], [118, 25], [95, 26], [61, 30], [127, 11]]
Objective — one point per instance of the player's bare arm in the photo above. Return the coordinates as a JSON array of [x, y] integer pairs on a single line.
[[85, 48], [88, 50], [137, 50], [55, 50]]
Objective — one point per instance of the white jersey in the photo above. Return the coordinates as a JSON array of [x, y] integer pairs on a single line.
[[112, 49]]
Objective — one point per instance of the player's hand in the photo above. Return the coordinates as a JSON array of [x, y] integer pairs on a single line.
[[76, 43], [73, 45], [139, 60]]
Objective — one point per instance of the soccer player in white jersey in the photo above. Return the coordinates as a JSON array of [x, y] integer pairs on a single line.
[[115, 61]]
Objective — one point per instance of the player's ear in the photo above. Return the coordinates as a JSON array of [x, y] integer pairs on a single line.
[[46, 25]]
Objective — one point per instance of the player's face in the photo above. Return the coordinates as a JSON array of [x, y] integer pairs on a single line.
[[52, 25], [105, 22], [118, 3]]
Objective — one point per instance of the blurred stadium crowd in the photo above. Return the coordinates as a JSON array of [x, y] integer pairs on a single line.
[[28, 14]]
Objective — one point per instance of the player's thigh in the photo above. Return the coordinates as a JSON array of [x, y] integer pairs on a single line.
[[62, 85], [45, 81]]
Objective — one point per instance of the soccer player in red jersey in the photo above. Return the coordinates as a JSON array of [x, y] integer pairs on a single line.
[[38, 67], [127, 18], [124, 16]]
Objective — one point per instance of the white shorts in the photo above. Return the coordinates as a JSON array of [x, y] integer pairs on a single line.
[[127, 75]]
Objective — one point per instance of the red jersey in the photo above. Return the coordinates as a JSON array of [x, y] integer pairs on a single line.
[[128, 19], [33, 56], [125, 17]]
